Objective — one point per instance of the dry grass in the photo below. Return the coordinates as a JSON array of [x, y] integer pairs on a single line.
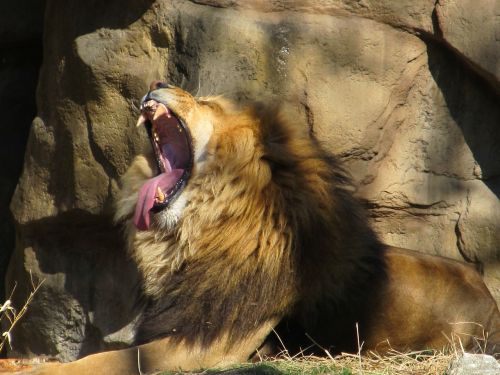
[[9, 316], [394, 363]]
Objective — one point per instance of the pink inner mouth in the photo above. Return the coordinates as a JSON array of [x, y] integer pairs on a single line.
[[171, 146]]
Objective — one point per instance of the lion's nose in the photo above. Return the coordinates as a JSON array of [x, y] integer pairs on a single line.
[[157, 85]]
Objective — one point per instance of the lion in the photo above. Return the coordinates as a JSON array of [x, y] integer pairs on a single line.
[[244, 228]]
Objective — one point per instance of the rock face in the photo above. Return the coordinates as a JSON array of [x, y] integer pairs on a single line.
[[404, 94]]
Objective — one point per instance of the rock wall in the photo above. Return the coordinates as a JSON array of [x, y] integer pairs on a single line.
[[406, 93]]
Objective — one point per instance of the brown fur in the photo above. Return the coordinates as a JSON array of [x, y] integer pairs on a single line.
[[266, 231]]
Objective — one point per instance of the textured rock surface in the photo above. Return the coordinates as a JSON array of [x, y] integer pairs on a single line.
[[474, 32], [390, 87], [474, 364]]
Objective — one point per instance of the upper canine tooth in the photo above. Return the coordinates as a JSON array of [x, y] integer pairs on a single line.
[[160, 110]]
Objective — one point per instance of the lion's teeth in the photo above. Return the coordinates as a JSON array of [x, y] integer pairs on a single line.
[[141, 120], [167, 111], [160, 196], [149, 104]]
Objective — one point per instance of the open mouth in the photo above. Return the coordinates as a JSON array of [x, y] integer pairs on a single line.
[[171, 144]]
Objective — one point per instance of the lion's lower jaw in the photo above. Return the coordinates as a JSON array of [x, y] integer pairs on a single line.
[[167, 219]]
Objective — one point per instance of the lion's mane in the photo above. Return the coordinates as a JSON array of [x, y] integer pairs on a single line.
[[270, 229]]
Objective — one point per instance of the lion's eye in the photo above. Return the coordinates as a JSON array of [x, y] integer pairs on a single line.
[[210, 104]]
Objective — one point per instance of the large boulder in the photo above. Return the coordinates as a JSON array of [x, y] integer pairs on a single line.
[[390, 87]]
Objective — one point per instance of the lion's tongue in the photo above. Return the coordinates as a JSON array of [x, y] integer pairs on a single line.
[[147, 194]]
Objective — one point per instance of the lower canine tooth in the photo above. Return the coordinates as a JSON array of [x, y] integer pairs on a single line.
[[160, 196]]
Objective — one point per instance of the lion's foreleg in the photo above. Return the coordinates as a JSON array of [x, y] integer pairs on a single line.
[[164, 354]]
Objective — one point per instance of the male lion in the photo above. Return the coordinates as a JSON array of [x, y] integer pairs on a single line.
[[240, 223]]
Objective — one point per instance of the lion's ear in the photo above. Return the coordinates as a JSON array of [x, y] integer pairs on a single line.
[[279, 137]]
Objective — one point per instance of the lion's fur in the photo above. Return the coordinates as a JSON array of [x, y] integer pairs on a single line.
[[267, 230]]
